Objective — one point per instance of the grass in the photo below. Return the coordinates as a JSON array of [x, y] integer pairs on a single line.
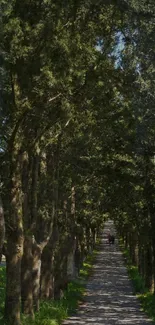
[[148, 304], [146, 298], [53, 312]]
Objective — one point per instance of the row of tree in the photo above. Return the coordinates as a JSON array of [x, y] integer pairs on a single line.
[[76, 139], [135, 215]]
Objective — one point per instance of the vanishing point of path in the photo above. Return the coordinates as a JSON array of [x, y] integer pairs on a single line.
[[109, 298]]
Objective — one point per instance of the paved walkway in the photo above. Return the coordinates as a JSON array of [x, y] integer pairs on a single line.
[[109, 299]]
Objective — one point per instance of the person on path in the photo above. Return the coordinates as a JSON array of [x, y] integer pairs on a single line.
[[111, 239]]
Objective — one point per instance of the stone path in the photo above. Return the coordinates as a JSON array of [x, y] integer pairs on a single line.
[[109, 298]]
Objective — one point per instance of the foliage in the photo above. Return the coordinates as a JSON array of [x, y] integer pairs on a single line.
[[147, 300]]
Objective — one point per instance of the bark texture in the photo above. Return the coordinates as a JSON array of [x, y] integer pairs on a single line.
[[2, 228]]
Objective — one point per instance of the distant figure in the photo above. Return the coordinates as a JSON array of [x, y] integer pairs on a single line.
[[111, 239], [109, 236]]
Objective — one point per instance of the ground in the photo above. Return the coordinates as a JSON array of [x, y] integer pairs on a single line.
[[109, 296]]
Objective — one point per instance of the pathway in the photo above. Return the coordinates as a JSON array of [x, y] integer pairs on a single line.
[[109, 298]]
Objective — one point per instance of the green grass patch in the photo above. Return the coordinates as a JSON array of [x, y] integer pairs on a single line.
[[51, 313], [148, 303], [146, 298]]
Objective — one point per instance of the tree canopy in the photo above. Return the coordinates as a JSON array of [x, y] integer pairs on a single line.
[[76, 139]]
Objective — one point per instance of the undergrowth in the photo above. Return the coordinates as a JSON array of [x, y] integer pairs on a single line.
[[146, 298], [53, 312]]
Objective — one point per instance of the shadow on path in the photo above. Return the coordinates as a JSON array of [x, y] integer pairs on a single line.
[[109, 297]]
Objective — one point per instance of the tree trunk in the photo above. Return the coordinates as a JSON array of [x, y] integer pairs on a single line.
[[34, 189], [133, 247], [47, 266], [77, 258], [36, 274], [148, 267], [14, 246], [152, 214], [47, 274], [13, 283], [71, 272], [153, 251], [61, 266], [61, 278], [126, 240], [141, 261], [26, 276], [94, 237], [2, 228], [139, 258], [88, 240], [154, 271]]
